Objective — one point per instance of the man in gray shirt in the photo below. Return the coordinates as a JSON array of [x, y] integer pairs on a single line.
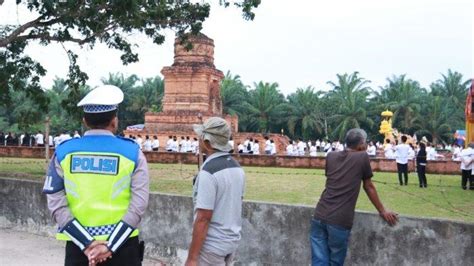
[[334, 214], [217, 196]]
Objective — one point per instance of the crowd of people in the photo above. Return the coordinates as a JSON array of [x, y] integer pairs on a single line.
[[38, 139], [403, 153]]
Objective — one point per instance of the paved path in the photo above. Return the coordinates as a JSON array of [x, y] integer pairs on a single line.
[[20, 248]]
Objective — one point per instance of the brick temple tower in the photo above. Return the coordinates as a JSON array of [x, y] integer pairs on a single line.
[[192, 91], [192, 95]]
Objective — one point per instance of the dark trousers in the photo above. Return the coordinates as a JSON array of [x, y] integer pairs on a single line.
[[128, 254], [421, 170], [467, 177], [402, 169]]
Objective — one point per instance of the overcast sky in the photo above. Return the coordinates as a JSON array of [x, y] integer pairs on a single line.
[[301, 43]]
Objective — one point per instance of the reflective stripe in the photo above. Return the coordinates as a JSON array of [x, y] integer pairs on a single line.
[[122, 239], [77, 242], [84, 232], [116, 230]]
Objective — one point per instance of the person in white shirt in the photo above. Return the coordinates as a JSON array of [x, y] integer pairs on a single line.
[[169, 143], [195, 146], [313, 150], [240, 148], [268, 146], [231, 143], [56, 140], [340, 146], [247, 148], [50, 141], [147, 145], [289, 149], [274, 150], [431, 153], [388, 150], [65, 136], [331, 149], [188, 144], [401, 157], [456, 153], [301, 147], [182, 145], [467, 157], [327, 147], [175, 144], [139, 141], [256, 147], [155, 144], [371, 149], [39, 138], [411, 153], [76, 135], [318, 145]]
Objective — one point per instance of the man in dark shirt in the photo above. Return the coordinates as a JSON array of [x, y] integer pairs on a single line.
[[334, 214]]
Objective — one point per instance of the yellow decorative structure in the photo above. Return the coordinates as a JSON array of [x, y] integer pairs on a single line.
[[386, 125]]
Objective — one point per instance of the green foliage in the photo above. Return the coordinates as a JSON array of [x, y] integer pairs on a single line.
[[307, 113], [305, 117], [350, 96], [86, 24], [266, 108]]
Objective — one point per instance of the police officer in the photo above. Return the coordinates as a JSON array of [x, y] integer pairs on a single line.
[[97, 187]]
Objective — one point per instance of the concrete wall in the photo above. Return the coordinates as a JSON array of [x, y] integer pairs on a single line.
[[272, 234], [378, 164]]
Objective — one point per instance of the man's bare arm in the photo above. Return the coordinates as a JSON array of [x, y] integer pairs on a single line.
[[390, 217], [200, 227]]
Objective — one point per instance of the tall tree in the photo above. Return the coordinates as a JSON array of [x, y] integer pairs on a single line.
[[234, 95], [147, 97], [127, 84], [435, 120], [451, 87], [453, 91], [305, 118], [266, 107], [350, 94], [86, 23]]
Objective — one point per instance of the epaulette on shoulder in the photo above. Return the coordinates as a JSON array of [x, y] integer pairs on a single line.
[[65, 141], [127, 139]]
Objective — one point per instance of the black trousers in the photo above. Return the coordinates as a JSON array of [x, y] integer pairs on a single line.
[[421, 170], [467, 177], [402, 169], [128, 254]]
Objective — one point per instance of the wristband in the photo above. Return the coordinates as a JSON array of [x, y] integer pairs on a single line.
[[76, 232], [118, 237]]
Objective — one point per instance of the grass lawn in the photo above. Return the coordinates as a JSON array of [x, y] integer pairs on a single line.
[[443, 198]]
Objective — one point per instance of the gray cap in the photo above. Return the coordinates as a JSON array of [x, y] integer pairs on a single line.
[[216, 131]]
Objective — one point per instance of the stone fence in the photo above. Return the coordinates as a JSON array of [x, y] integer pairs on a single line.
[[272, 234], [378, 164]]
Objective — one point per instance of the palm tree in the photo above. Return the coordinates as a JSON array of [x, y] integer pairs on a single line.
[[127, 85], [350, 95], [403, 97], [148, 96], [435, 120], [451, 88], [305, 118], [234, 94], [266, 107], [453, 92]]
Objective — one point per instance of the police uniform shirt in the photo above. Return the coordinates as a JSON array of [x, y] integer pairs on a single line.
[[57, 202]]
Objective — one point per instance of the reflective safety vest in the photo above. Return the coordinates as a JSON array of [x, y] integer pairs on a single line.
[[97, 178]]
